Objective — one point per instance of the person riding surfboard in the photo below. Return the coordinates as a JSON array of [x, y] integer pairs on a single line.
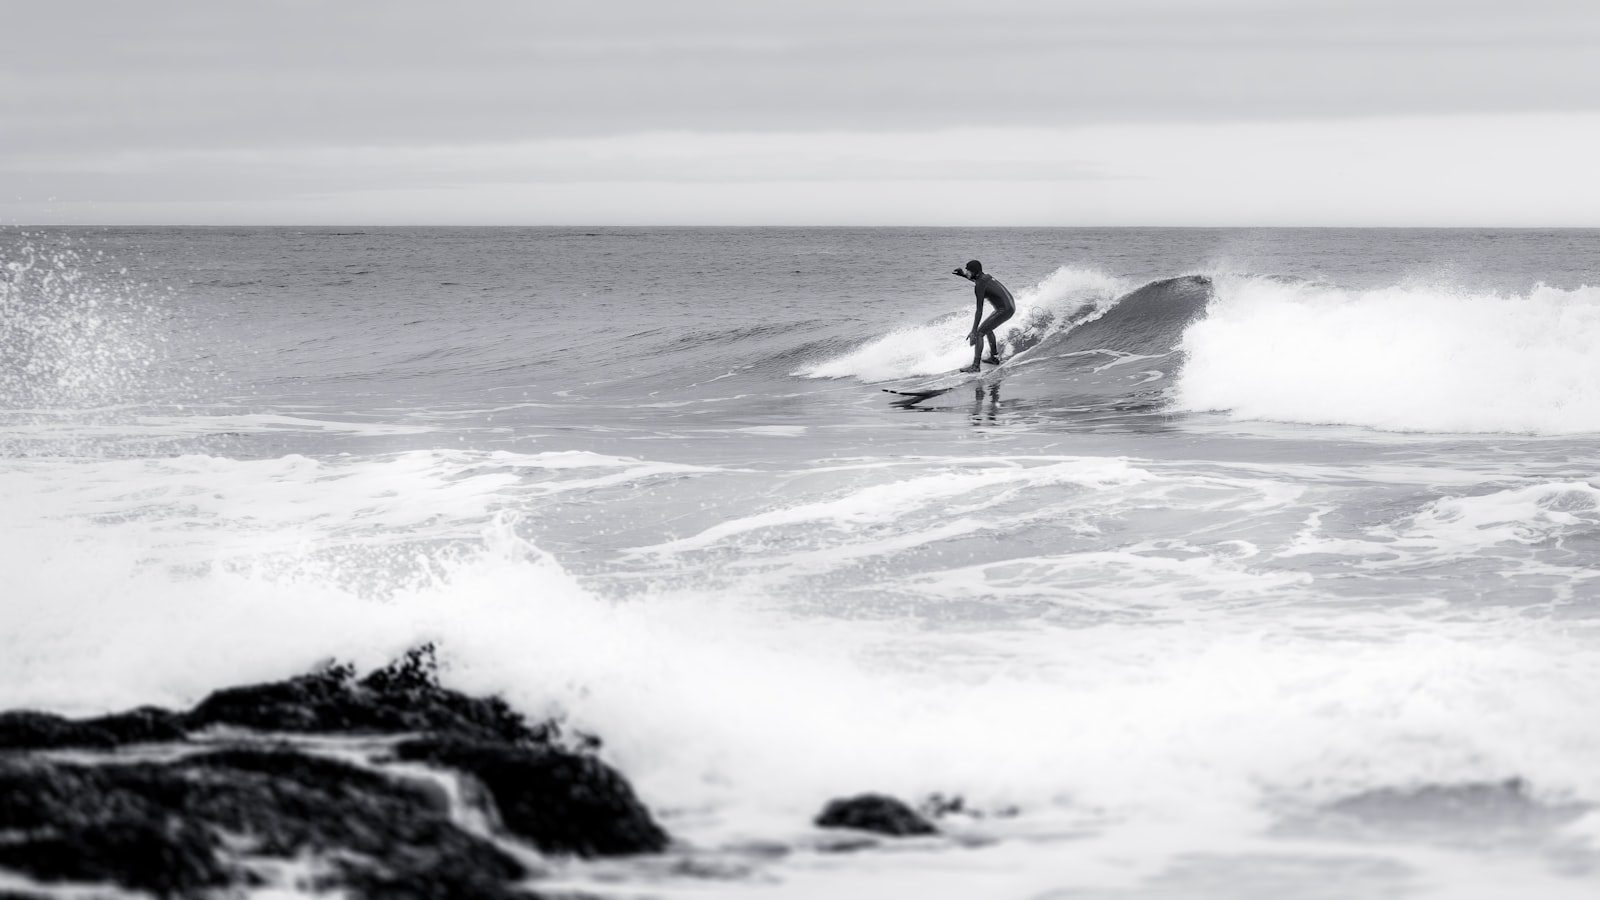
[[986, 287]]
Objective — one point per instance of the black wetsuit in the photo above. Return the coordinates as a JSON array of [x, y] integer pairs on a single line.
[[989, 288]]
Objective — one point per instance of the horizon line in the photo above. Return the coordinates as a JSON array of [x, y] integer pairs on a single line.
[[1419, 227]]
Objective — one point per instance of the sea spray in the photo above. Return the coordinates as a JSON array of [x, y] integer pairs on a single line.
[[72, 335], [84, 345]]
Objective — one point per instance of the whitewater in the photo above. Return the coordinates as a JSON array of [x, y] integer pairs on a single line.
[[1268, 569]]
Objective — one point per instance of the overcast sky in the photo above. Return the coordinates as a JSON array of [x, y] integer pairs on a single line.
[[1074, 112]]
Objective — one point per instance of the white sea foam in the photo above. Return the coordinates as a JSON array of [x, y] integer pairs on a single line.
[[708, 703], [892, 501], [1529, 544], [1401, 358], [1524, 515], [1151, 579], [933, 347], [710, 700], [737, 716], [250, 509]]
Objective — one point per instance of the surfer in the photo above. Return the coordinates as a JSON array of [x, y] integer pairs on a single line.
[[987, 287]]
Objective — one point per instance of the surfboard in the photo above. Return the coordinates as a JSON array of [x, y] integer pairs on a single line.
[[944, 384]]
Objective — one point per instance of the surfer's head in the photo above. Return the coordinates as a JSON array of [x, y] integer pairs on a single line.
[[974, 268]]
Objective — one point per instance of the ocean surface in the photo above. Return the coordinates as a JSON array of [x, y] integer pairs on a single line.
[[1267, 570]]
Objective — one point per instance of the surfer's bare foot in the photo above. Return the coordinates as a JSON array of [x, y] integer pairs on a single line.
[[992, 360], [972, 368]]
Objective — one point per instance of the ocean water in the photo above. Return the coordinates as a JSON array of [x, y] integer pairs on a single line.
[[1268, 568]]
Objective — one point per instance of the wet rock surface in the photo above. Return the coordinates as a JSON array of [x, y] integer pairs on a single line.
[[403, 697], [877, 813], [35, 730], [166, 803], [557, 800]]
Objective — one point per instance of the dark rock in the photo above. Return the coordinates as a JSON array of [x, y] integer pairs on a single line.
[[404, 697], [26, 730], [291, 802], [452, 880], [153, 826], [558, 800], [938, 805], [166, 857], [145, 725], [37, 796], [876, 813], [196, 819], [417, 670], [43, 731]]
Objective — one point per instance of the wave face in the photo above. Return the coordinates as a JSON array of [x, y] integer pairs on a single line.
[[1066, 296], [1123, 358], [1398, 358]]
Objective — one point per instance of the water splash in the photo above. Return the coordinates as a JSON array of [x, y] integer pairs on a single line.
[[82, 343]]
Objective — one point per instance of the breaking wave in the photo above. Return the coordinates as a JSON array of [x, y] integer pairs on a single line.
[[1253, 347], [1398, 358]]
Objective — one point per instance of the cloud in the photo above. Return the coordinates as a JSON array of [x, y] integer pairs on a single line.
[[105, 106], [81, 76], [1432, 170], [1003, 154]]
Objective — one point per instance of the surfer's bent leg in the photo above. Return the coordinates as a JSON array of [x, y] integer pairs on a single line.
[[987, 329]]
